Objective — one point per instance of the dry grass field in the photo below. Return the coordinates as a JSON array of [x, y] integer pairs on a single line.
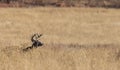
[[74, 38]]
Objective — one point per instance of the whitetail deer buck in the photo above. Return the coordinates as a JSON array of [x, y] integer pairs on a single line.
[[35, 42]]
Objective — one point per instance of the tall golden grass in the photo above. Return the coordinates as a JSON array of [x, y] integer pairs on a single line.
[[74, 38]]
